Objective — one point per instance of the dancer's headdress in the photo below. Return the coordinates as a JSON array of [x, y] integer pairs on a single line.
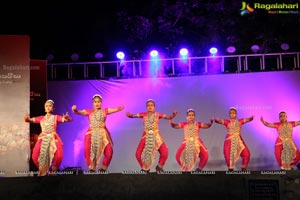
[[50, 101], [97, 95]]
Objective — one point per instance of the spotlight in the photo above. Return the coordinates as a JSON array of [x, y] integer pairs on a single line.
[[285, 46], [120, 55], [154, 53], [255, 48], [213, 51], [98, 55], [74, 57], [230, 49], [183, 52]]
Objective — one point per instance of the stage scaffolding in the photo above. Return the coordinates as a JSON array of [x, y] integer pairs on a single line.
[[173, 67]]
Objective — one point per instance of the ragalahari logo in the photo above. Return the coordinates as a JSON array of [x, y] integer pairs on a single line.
[[246, 9]]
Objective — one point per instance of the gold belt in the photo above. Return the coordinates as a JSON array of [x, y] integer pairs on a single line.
[[285, 139]]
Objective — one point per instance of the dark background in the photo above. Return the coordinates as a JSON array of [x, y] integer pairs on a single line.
[[86, 27]]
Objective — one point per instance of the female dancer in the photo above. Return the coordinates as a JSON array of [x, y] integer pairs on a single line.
[[97, 139], [286, 152], [192, 146], [234, 145], [151, 140], [48, 150]]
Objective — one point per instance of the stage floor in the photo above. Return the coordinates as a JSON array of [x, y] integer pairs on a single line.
[[279, 185]]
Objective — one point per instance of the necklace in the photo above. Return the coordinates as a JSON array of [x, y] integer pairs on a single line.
[[150, 121], [98, 115]]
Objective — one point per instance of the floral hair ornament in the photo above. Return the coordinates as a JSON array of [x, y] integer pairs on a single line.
[[233, 108], [50, 101], [150, 100], [282, 112], [97, 95], [190, 110]]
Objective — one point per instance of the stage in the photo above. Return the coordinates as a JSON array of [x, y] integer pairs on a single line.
[[172, 185], [253, 94]]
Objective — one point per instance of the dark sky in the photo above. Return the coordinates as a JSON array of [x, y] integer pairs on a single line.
[[64, 28], [88, 27]]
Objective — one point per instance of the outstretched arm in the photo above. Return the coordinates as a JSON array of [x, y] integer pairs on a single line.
[[266, 123], [35, 120], [113, 110], [66, 117], [28, 119], [173, 125], [170, 116], [128, 114], [249, 119], [219, 121], [209, 124], [79, 112]]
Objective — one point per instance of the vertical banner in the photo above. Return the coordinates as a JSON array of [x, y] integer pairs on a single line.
[[38, 96], [14, 104]]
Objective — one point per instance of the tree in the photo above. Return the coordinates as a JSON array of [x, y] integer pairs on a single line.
[[202, 23]]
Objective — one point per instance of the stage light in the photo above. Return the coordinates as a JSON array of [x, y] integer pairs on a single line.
[[74, 57], [120, 55], [213, 51], [183, 52], [154, 53], [285, 46], [255, 48], [98, 55], [231, 49]]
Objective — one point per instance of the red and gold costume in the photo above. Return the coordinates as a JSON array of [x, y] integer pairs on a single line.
[[234, 145], [151, 141], [191, 148], [286, 152], [48, 150], [97, 140]]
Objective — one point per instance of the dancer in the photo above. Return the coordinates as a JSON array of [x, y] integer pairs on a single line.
[[234, 145], [192, 146], [48, 150], [97, 139], [151, 141], [286, 152]]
